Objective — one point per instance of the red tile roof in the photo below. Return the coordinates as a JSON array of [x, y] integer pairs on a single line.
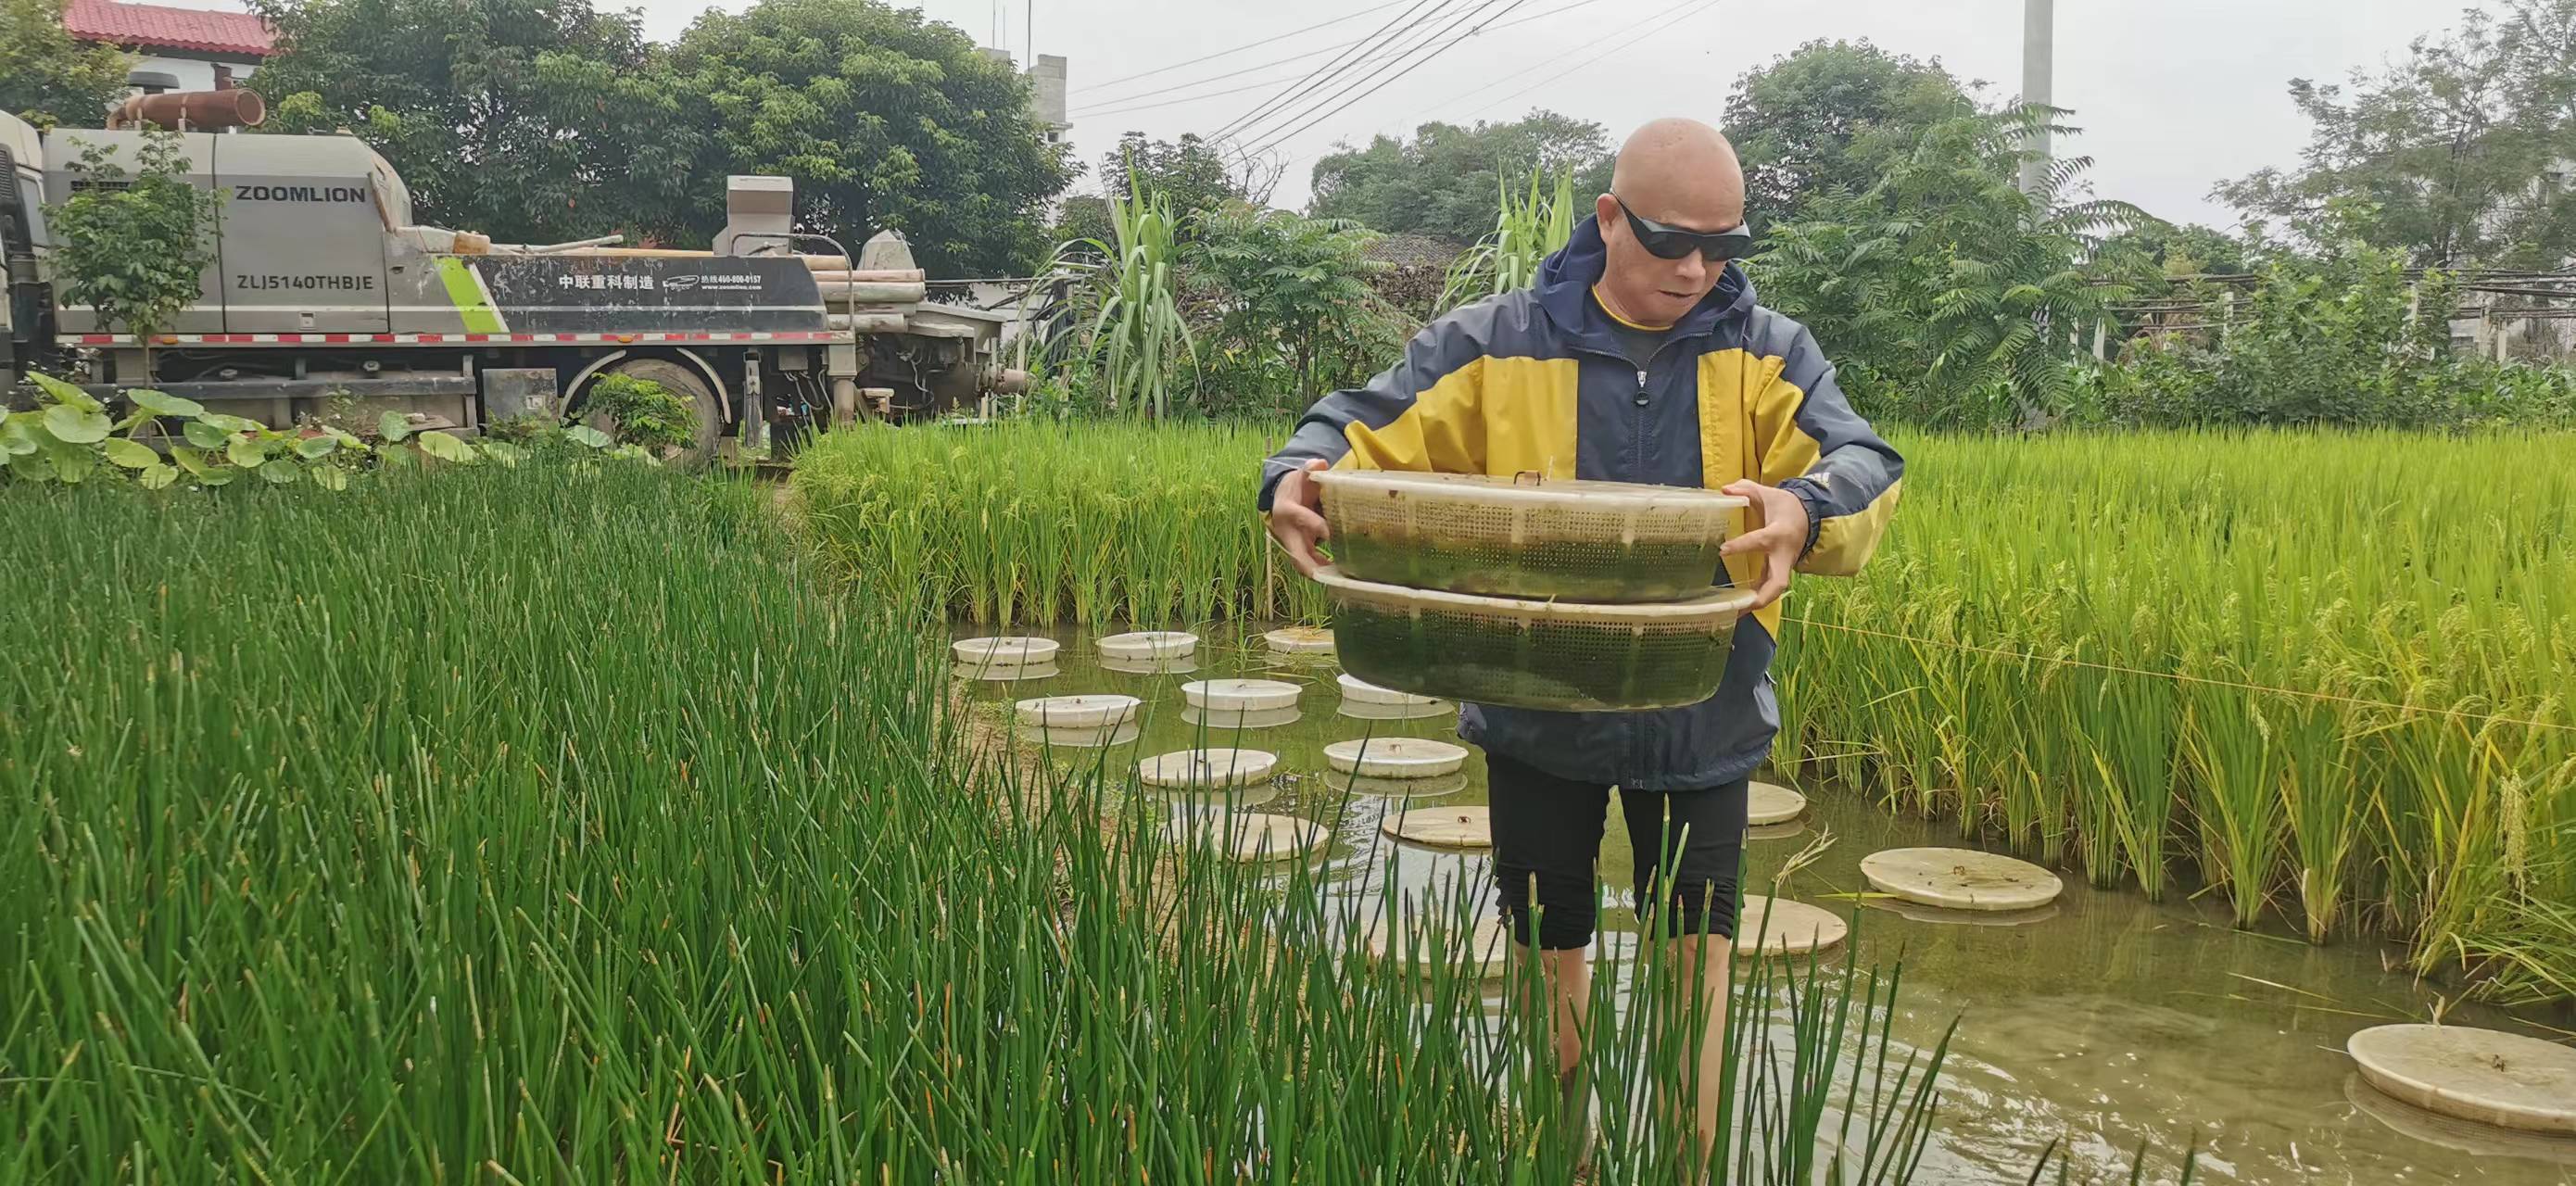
[[161, 26]]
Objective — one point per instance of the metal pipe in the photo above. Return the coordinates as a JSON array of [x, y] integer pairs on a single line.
[[199, 111], [2038, 45]]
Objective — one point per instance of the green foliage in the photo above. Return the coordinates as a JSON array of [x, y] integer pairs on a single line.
[[70, 437], [2347, 338], [1137, 334], [884, 117], [2459, 148], [642, 413], [1192, 173], [2187, 250], [1442, 182], [528, 120], [1828, 119], [1528, 228], [49, 77], [1293, 309], [1947, 296], [135, 252]]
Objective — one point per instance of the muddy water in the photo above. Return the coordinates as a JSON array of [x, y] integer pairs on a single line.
[[2101, 1021]]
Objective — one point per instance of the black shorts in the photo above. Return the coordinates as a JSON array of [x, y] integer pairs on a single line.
[[1547, 837]]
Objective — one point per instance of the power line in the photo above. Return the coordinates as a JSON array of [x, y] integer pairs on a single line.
[[1393, 58], [1508, 76], [1703, 6], [1555, 75], [1416, 64], [1240, 48], [1125, 103], [1330, 70]]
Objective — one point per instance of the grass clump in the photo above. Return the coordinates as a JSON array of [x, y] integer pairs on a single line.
[[534, 826]]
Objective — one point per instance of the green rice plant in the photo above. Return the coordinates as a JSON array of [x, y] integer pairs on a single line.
[[2238, 772], [2127, 724], [1032, 522]]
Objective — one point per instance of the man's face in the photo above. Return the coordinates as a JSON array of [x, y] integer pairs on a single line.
[[1646, 287]]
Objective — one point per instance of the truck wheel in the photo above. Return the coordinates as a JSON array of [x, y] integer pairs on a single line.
[[690, 386]]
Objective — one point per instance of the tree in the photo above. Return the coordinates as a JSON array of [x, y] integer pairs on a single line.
[[885, 118], [1191, 173], [135, 244], [1829, 118], [1294, 309], [2187, 250], [1945, 295], [2463, 148], [51, 77], [527, 120], [1442, 182]]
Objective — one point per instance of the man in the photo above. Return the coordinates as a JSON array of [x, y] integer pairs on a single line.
[[1640, 356]]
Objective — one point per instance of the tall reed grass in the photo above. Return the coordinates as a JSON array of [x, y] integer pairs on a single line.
[[2323, 676], [531, 827]]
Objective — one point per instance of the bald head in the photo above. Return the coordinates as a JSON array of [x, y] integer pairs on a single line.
[[1683, 172], [1680, 173]]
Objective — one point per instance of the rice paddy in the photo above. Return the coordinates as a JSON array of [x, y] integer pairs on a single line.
[[2321, 676], [533, 826]]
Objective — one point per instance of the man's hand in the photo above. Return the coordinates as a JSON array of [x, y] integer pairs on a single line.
[[1781, 537], [1297, 516]]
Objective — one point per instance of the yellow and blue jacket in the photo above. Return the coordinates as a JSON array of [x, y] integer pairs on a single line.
[[1537, 380]]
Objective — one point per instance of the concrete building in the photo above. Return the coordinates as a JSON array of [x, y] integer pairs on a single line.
[[1046, 85], [180, 49]]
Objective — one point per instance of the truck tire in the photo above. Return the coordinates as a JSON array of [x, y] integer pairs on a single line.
[[681, 380]]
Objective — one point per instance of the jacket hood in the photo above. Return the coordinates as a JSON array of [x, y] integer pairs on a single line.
[[1565, 283]]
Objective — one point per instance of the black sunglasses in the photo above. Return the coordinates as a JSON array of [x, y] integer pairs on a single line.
[[1672, 242]]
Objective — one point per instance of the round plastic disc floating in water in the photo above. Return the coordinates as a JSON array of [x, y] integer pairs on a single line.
[[2484, 1075], [1771, 803], [1006, 672], [1004, 651], [1145, 646], [1360, 691], [1395, 788], [1260, 836], [1395, 757], [1300, 640], [1095, 711], [1484, 949], [1228, 718], [1779, 926], [1241, 695], [1960, 878], [1063, 738], [1359, 710], [1206, 769], [1442, 827]]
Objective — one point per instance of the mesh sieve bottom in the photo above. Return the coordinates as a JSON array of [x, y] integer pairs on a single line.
[[1497, 659]]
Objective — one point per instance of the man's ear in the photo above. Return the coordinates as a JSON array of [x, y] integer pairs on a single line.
[[1606, 209]]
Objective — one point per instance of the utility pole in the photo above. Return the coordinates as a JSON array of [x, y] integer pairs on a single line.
[[2038, 46]]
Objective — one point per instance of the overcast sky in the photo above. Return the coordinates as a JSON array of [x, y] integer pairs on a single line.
[[2172, 95]]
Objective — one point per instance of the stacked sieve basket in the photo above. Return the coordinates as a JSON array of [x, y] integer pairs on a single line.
[[1527, 592]]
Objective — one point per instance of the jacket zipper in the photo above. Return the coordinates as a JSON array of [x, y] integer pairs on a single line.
[[1637, 729]]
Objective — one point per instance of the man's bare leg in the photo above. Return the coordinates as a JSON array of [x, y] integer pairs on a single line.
[[1714, 956]]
